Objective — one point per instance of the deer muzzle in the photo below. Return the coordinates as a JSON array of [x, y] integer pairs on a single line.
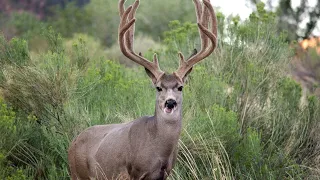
[[169, 105]]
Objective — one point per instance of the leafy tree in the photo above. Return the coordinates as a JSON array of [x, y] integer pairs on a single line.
[[292, 19]]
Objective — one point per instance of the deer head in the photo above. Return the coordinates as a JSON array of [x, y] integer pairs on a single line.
[[169, 86]]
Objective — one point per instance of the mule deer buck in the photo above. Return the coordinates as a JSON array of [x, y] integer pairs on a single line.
[[146, 148]]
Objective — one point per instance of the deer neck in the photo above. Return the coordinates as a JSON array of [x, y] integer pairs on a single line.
[[167, 128], [165, 134]]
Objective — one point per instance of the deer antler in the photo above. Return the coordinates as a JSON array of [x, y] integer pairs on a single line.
[[205, 14], [126, 37]]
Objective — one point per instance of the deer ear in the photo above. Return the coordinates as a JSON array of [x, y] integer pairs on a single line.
[[153, 78], [185, 76]]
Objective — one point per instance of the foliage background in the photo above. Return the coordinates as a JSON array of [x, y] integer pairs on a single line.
[[242, 118]]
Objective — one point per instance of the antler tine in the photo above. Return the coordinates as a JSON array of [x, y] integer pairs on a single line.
[[202, 16], [130, 33], [207, 14], [123, 27], [198, 9], [121, 7], [126, 37], [205, 23]]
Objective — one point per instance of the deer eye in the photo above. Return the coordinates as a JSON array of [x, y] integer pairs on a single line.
[[159, 89], [180, 88]]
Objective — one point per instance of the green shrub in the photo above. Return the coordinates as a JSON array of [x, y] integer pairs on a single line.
[[14, 52], [9, 137], [7, 126], [181, 36], [25, 24], [71, 19], [146, 45]]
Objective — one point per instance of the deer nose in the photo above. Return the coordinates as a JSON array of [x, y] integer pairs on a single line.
[[170, 103]]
